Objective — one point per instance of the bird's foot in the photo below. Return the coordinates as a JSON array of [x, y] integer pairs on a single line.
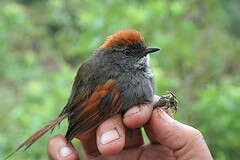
[[168, 101]]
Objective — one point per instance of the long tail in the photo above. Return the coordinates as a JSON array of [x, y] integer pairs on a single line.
[[38, 134]]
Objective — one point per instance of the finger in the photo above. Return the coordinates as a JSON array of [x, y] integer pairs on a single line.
[[89, 143], [134, 138], [111, 136], [138, 115], [127, 154], [58, 149], [166, 130], [184, 140], [151, 137], [143, 152]]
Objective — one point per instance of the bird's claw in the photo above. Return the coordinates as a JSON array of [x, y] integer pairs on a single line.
[[168, 101]]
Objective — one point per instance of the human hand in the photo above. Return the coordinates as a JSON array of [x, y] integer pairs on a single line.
[[169, 138]]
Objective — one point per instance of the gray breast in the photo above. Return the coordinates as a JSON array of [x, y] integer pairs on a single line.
[[134, 79], [135, 88]]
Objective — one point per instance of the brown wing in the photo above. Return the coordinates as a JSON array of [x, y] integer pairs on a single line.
[[89, 113], [82, 86]]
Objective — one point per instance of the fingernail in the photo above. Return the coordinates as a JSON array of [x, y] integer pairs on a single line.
[[109, 136], [163, 115], [65, 151], [132, 111]]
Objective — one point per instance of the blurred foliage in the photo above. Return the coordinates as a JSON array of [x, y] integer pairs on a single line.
[[42, 43]]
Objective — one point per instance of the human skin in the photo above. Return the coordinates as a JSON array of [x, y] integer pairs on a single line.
[[119, 138]]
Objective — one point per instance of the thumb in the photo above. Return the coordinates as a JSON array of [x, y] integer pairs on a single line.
[[182, 139]]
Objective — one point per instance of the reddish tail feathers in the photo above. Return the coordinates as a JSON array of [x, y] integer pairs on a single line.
[[38, 134]]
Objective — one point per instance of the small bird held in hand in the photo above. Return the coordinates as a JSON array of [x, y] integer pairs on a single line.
[[116, 77]]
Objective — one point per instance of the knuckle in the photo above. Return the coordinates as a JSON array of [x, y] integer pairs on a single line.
[[73, 156], [195, 135]]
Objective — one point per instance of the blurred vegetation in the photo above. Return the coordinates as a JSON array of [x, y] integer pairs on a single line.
[[42, 43]]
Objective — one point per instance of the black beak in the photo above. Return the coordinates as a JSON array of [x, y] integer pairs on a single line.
[[152, 49]]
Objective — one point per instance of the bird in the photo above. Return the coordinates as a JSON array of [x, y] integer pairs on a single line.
[[117, 76]]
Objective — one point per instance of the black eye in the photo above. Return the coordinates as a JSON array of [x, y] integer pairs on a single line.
[[127, 52]]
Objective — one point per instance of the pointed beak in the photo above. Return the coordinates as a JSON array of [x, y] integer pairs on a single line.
[[152, 49]]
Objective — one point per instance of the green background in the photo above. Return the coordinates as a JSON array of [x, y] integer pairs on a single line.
[[42, 44]]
